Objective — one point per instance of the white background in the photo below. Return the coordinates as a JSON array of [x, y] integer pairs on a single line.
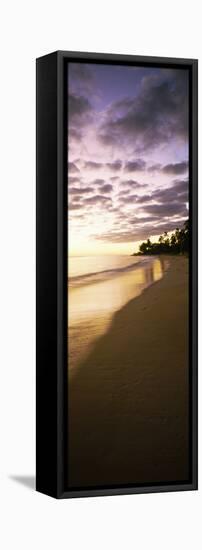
[[29, 29]]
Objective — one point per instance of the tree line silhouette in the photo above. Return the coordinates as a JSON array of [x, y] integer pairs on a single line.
[[176, 243]]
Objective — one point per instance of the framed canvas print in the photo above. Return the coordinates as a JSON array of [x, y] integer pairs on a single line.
[[116, 274]]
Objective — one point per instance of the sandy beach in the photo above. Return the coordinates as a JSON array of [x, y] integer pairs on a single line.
[[128, 398]]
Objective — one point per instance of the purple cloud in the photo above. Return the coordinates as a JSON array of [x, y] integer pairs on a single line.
[[73, 179], [72, 167], [116, 165], [135, 165], [80, 191], [78, 106], [154, 167], [139, 233], [99, 181], [167, 209], [96, 199], [74, 134], [107, 188], [156, 115], [178, 168], [74, 206], [92, 165]]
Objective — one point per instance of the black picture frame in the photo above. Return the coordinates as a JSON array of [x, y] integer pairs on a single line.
[[51, 271]]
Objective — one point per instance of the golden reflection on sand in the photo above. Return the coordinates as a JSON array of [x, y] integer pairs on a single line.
[[91, 307]]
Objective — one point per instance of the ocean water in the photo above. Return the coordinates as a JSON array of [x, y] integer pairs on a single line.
[[89, 269], [98, 286]]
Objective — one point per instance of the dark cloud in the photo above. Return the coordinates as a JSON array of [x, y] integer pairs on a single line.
[[135, 165], [106, 188], [133, 235], [72, 167], [80, 72], [91, 165], [76, 198], [180, 185], [114, 178], [178, 192], [107, 138], [154, 167], [73, 179], [97, 199], [184, 196], [165, 195], [166, 210], [178, 168], [74, 206], [155, 116], [78, 106], [116, 165], [74, 134], [98, 181], [80, 191], [141, 199]]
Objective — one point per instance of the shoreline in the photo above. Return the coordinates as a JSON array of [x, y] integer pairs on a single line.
[[128, 401], [91, 307], [106, 275]]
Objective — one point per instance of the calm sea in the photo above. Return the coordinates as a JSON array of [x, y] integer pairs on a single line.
[[89, 269]]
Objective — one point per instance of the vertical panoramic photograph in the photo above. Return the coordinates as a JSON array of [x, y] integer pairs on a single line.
[[128, 275]]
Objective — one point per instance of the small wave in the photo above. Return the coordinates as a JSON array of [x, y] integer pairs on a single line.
[[88, 278]]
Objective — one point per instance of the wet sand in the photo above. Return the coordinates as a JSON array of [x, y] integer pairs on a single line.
[[128, 400], [91, 306]]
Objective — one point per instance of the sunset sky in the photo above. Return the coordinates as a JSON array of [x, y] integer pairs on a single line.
[[127, 155]]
